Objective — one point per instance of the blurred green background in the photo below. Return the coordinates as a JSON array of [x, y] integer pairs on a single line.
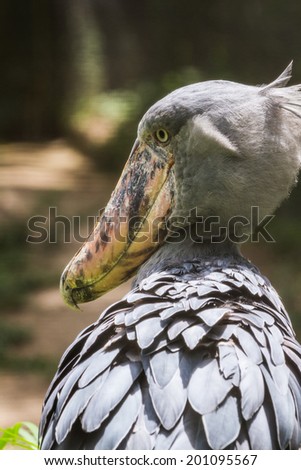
[[76, 77]]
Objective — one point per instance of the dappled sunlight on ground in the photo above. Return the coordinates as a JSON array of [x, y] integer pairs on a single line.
[[49, 166], [54, 327], [34, 177], [20, 398]]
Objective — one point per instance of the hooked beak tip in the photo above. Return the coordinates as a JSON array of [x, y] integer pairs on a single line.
[[67, 293]]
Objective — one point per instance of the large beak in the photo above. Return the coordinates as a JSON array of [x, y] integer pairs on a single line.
[[130, 229]]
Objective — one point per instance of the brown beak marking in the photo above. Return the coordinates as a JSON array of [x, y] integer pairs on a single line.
[[130, 229]]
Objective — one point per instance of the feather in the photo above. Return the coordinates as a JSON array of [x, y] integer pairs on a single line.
[[48, 435], [151, 420], [68, 387], [222, 332], [121, 422], [291, 108], [98, 362], [137, 439], [249, 345], [277, 354], [197, 303], [74, 440], [222, 426], [236, 283], [251, 385], [176, 439], [172, 311], [119, 318], [153, 281], [131, 334], [251, 277], [178, 287], [291, 343], [191, 290], [276, 333], [74, 407], [295, 390], [280, 81], [110, 394], [228, 363], [216, 276], [242, 441], [51, 403], [280, 374], [222, 287], [205, 290], [177, 326], [163, 366], [187, 434], [143, 310], [148, 330], [207, 387], [262, 430], [265, 317], [294, 354], [239, 276], [259, 335], [174, 346], [296, 436], [194, 334], [253, 289], [283, 410], [93, 337], [212, 315], [273, 297], [138, 296], [164, 290], [169, 402]]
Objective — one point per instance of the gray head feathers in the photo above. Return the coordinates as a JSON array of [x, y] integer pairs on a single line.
[[282, 80], [235, 146]]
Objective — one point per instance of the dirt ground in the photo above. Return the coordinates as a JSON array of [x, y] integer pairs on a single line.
[[29, 175], [54, 326]]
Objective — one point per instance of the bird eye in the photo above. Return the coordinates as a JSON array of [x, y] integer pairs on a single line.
[[162, 136]]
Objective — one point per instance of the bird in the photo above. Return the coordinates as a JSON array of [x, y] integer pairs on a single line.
[[200, 353]]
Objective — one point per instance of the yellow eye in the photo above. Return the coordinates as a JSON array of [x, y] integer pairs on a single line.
[[162, 136]]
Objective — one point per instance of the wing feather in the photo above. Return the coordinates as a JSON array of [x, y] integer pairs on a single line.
[[121, 422], [251, 385], [222, 426], [207, 375], [109, 394]]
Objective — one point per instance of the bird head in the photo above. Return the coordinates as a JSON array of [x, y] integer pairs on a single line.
[[208, 150]]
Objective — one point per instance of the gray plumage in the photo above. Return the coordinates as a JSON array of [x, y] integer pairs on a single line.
[[201, 353], [228, 383]]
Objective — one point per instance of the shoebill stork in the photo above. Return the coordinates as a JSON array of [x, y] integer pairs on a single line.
[[201, 353]]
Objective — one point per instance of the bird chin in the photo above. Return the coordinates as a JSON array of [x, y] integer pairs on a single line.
[[131, 228]]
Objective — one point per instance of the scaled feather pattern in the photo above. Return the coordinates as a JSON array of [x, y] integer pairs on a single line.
[[202, 347]]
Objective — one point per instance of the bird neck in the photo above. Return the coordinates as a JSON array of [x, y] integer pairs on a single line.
[[174, 254]]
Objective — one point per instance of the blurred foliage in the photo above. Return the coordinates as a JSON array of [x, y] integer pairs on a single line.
[[106, 125], [17, 278], [58, 57], [11, 336], [23, 435]]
